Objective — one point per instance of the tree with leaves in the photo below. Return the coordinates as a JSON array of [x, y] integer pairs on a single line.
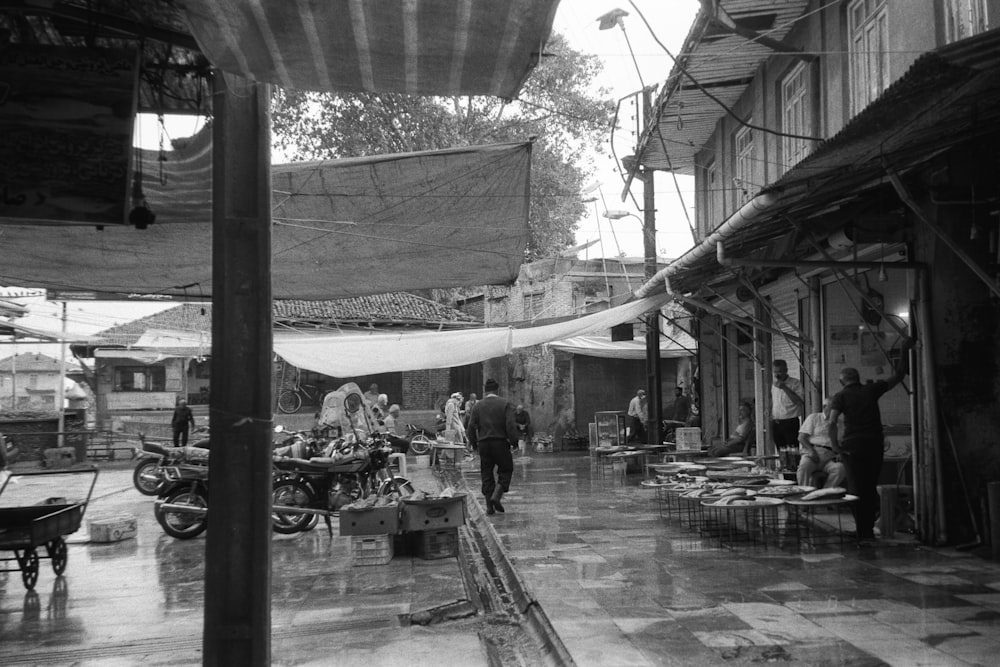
[[557, 109]]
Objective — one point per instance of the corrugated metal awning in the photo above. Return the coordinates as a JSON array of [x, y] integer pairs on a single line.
[[949, 97], [723, 63]]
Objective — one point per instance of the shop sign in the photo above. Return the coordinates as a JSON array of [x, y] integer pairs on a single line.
[[66, 119]]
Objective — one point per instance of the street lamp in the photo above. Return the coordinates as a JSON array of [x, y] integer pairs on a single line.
[[618, 215]]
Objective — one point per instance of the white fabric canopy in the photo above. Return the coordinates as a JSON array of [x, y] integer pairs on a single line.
[[604, 347], [350, 355]]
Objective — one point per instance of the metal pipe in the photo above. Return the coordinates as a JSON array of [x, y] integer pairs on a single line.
[[737, 221], [816, 333], [698, 303], [720, 255]]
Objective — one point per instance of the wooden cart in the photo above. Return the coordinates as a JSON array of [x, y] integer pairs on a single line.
[[24, 529]]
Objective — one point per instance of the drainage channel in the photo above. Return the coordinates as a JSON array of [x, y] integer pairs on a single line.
[[514, 621]]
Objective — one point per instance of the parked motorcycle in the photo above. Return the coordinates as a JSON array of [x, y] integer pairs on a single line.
[[147, 477], [323, 485], [182, 506]]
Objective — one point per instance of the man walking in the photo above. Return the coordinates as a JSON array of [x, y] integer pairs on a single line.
[[787, 402], [493, 432], [181, 420], [861, 446]]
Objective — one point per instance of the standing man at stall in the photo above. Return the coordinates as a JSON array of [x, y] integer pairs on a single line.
[[787, 403], [861, 446], [637, 411], [493, 432]]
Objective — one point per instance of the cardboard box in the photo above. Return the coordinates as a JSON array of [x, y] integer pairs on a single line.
[[433, 513], [113, 529], [373, 521]]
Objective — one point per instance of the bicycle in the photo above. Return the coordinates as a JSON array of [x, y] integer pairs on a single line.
[[291, 399]]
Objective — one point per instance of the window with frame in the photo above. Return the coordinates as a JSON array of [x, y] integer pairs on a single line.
[[796, 114], [868, 51], [964, 18], [744, 164], [534, 304], [33, 380], [140, 378]]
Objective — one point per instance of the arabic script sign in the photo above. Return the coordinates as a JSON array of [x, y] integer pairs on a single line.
[[66, 118]]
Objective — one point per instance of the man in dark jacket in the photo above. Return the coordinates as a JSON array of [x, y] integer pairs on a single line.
[[182, 419], [492, 431], [860, 446]]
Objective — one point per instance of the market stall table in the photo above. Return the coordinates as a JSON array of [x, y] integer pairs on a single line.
[[802, 520]]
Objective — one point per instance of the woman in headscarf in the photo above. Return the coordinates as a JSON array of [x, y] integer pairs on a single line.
[[453, 417]]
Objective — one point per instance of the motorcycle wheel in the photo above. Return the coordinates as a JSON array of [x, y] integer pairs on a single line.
[[406, 488], [289, 401], [182, 525], [146, 477], [291, 493], [420, 444]]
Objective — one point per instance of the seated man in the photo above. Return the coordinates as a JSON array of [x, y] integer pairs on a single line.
[[399, 444], [817, 453], [743, 439]]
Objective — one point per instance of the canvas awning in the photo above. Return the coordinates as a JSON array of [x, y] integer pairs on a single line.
[[604, 347], [341, 228], [351, 355], [417, 47]]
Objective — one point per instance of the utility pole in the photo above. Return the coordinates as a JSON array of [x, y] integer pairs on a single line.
[[654, 384]]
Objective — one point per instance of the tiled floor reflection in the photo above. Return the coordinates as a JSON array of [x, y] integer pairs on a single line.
[[624, 584]]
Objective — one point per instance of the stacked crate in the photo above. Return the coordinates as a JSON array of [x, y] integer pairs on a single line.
[[371, 531], [433, 524]]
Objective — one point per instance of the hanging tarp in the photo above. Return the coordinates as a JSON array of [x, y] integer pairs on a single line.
[[418, 47], [604, 347], [342, 228], [351, 355]]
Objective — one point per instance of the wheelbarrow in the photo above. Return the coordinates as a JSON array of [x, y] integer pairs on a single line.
[[24, 529]]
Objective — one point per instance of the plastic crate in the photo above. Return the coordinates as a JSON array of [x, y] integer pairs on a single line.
[[431, 544], [433, 513], [371, 549], [371, 521], [688, 438]]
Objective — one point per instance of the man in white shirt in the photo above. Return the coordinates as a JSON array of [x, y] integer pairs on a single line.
[[787, 403], [817, 452], [637, 417]]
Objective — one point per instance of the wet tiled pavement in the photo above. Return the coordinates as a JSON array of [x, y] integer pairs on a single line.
[[140, 601], [620, 582], [624, 585]]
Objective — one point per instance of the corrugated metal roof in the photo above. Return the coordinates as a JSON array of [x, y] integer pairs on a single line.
[[949, 97], [721, 62]]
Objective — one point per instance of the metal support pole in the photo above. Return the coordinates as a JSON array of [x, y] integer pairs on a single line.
[[237, 628], [654, 376]]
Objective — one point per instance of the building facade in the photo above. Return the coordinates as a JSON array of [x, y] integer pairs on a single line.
[[844, 156]]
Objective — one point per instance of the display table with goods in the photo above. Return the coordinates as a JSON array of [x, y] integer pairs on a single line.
[[737, 501], [803, 529]]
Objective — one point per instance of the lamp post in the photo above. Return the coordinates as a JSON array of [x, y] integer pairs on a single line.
[[653, 373]]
